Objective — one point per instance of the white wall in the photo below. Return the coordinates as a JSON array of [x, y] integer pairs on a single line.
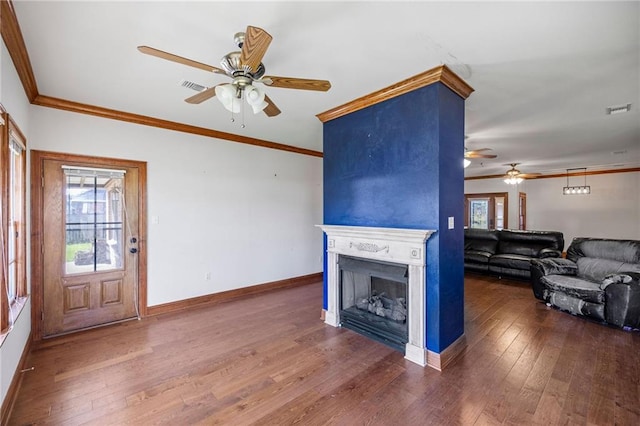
[[14, 100], [612, 210], [245, 214]]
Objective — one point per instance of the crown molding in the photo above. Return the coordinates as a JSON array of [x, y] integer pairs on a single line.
[[442, 74], [562, 175], [12, 36], [66, 105]]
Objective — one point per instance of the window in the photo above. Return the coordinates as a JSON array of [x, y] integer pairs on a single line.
[[93, 219], [12, 231]]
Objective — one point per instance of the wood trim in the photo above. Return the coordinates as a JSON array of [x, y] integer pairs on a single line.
[[440, 360], [522, 211], [66, 105], [37, 225], [21, 249], [4, 172], [215, 298], [442, 74], [562, 175], [14, 386], [142, 240], [12, 36]]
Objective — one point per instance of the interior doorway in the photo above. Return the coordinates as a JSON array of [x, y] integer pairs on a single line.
[[88, 250], [486, 211]]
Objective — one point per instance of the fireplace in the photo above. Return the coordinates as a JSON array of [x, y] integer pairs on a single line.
[[373, 299], [364, 260]]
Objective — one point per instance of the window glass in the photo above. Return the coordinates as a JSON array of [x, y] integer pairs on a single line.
[[93, 221]]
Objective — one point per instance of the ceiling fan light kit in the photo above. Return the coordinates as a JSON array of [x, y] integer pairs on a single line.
[[245, 68], [255, 98], [513, 180], [227, 95]]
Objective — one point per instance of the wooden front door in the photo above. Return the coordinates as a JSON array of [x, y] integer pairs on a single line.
[[90, 237]]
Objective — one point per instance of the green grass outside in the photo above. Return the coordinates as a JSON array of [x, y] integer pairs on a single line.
[[73, 248]]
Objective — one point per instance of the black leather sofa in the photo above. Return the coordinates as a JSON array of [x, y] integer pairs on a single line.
[[600, 279], [509, 252]]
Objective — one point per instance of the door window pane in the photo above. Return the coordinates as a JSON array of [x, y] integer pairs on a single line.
[[94, 220], [479, 214], [499, 209]]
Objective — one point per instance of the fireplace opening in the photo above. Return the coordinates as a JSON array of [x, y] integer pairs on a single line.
[[373, 299]]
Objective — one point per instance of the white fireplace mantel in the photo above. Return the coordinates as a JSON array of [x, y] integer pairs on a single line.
[[398, 245]]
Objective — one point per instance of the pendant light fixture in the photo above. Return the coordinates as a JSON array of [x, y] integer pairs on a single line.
[[577, 189]]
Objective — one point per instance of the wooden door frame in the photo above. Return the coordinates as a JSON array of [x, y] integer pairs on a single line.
[[491, 196], [37, 228], [522, 213]]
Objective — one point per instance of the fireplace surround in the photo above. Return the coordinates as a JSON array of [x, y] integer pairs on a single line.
[[406, 247]]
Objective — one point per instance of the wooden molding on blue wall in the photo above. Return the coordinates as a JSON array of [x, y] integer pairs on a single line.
[[442, 74]]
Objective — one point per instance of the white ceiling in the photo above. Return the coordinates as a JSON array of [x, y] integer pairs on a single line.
[[543, 72]]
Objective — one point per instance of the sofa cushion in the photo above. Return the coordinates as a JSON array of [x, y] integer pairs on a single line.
[[627, 251], [596, 269], [576, 287], [483, 240], [522, 248], [477, 256], [529, 243], [511, 261]]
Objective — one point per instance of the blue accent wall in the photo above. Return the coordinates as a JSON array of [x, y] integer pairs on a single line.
[[398, 164]]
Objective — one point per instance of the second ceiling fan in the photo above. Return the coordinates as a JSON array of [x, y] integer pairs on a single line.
[[476, 153], [514, 176], [245, 68]]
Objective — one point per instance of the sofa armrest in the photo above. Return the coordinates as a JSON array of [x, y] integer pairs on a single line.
[[549, 252], [622, 296], [549, 266], [629, 278], [555, 266]]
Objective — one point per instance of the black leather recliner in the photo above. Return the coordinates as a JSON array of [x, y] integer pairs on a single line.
[[600, 279]]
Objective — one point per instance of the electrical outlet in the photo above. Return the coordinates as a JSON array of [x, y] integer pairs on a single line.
[[207, 276], [450, 222]]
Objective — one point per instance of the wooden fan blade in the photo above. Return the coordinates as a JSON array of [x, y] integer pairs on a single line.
[[529, 175], [179, 59], [472, 154], [476, 153], [255, 45], [296, 83], [271, 110], [202, 96]]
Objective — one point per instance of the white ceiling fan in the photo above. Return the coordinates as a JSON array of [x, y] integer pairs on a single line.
[[513, 175], [245, 68]]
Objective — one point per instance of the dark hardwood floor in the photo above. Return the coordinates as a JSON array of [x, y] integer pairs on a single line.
[[268, 359]]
